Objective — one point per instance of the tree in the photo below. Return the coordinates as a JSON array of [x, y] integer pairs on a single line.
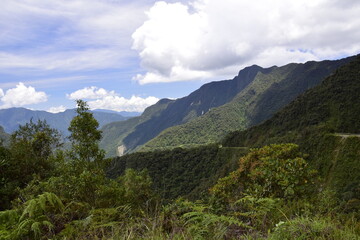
[[85, 136], [30, 153], [40, 137]]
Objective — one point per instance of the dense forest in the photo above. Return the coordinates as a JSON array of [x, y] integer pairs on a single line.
[[295, 176]]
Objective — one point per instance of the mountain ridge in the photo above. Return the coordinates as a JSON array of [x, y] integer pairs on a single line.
[[268, 93], [177, 111]]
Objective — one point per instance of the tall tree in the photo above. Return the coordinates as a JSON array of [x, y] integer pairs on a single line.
[[85, 136]]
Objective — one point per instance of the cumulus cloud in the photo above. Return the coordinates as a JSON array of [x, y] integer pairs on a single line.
[[117, 103], [21, 95], [110, 100], [205, 38], [57, 109], [90, 93]]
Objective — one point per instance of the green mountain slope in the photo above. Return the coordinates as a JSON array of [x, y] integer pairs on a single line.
[[115, 132], [138, 131], [333, 106], [265, 95], [325, 122]]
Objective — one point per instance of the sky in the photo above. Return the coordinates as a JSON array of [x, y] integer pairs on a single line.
[[126, 55]]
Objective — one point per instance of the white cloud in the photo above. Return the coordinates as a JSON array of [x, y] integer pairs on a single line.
[[21, 95], [117, 103], [90, 93], [206, 38], [110, 100], [57, 109]]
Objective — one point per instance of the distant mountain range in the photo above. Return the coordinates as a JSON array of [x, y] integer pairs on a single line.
[[217, 108], [11, 118]]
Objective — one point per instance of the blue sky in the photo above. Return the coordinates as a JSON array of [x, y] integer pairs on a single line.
[[125, 55]]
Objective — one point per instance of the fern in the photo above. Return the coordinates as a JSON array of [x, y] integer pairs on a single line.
[[35, 220], [9, 217], [42, 204], [207, 225], [36, 229]]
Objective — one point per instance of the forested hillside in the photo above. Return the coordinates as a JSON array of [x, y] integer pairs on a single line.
[[264, 96], [181, 172], [325, 122]]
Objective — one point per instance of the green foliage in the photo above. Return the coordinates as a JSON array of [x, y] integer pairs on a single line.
[[181, 172], [312, 228], [30, 153], [206, 225], [137, 186], [35, 219], [272, 171], [84, 135], [39, 136]]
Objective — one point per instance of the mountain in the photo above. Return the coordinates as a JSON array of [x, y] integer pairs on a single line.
[[325, 122], [115, 132], [270, 90], [11, 118], [167, 113]]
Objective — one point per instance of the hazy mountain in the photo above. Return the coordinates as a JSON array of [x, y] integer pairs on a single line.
[[270, 90], [11, 118]]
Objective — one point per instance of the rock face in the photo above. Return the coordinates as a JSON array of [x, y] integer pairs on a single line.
[[120, 150]]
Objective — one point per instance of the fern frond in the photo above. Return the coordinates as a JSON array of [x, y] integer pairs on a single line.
[[36, 229]]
